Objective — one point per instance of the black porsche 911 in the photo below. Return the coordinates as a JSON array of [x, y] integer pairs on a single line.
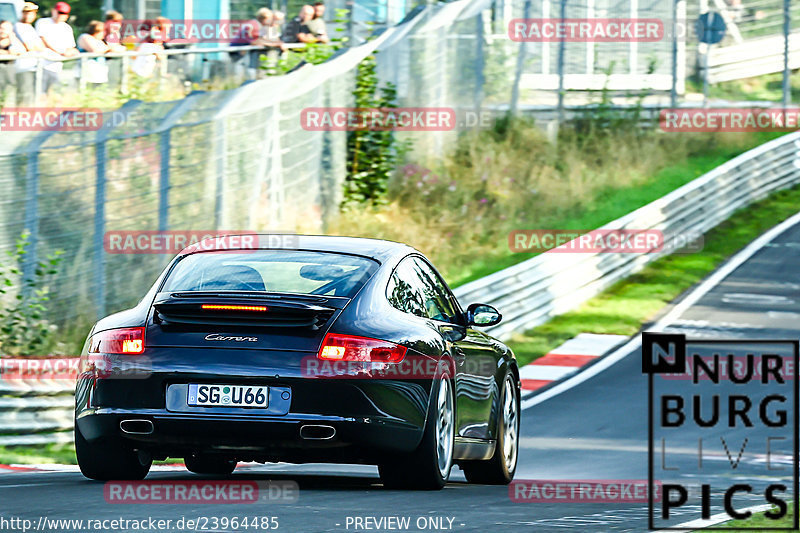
[[335, 349]]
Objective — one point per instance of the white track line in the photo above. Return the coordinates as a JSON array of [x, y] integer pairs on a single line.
[[692, 298]]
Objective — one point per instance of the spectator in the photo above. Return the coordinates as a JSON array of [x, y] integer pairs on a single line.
[[167, 31], [9, 46], [153, 45], [113, 31], [92, 42], [278, 18], [57, 35], [317, 24], [34, 46], [269, 35], [297, 30]]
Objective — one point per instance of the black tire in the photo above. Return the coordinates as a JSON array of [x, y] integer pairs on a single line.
[[210, 464], [104, 461], [499, 470], [420, 470]]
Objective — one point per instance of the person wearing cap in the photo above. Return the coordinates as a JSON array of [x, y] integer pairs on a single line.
[[59, 38], [34, 47]]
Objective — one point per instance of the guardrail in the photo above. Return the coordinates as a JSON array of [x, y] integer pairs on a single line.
[[36, 411], [531, 292], [751, 58], [527, 294]]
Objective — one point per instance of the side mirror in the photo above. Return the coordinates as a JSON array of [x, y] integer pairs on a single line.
[[483, 315]]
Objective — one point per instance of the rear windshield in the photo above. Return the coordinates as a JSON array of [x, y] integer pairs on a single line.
[[272, 271]]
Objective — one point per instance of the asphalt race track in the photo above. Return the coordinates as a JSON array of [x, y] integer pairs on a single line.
[[594, 430]]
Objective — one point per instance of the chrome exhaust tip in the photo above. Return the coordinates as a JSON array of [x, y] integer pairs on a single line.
[[137, 427], [317, 432]]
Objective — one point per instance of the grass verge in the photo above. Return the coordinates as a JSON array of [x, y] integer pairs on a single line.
[[759, 520], [49, 454], [38, 454], [766, 88], [630, 304]]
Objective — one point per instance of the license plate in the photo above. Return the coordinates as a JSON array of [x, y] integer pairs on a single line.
[[228, 395]]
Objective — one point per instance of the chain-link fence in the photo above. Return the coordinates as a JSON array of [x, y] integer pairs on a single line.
[[224, 160]]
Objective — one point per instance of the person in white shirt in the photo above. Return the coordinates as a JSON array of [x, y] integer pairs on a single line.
[[34, 47], [10, 47], [92, 42], [58, 37], [153, 45]]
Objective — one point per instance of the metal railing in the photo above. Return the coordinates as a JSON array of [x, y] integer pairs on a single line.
[[230, 63], [527, 294]]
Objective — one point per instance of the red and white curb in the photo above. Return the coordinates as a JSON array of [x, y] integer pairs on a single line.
[[567, 359]]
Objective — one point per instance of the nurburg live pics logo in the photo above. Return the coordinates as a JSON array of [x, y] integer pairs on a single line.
[[722, 420]]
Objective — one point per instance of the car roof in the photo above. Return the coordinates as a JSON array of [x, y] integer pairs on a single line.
[[380, 250]]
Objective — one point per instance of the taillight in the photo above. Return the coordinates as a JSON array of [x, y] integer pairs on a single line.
[[336, 347], [122, 340]]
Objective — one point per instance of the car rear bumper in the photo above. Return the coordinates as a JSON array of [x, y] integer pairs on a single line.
[[363, 419], [362, 440]]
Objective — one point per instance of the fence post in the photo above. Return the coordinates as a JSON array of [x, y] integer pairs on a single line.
[[222, 151], [83, 72], [101, 156], [123, 77], [38, 82], [787, 95], [31, 213], [479, 60], [163, 195], [351, 25], [673, 93], [562, 45], [520, 65]]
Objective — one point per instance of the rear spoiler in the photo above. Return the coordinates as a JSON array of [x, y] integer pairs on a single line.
[[244, 310]]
